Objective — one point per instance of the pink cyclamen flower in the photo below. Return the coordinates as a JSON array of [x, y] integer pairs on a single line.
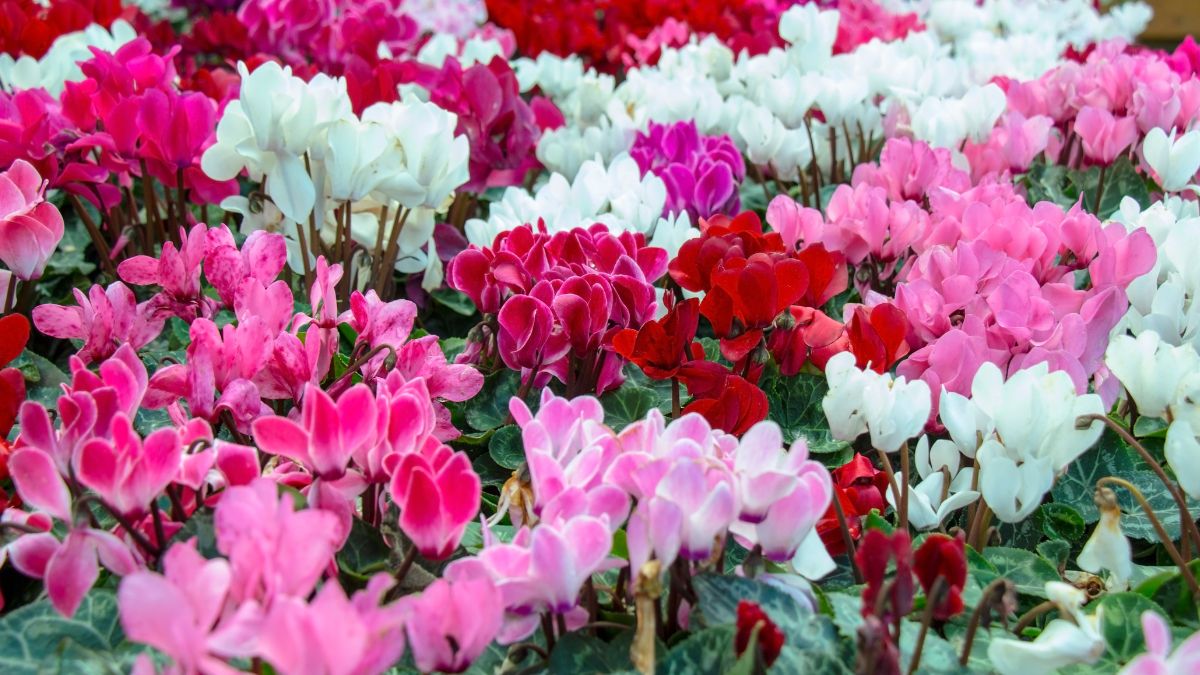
[[71, 567], [177, 272], [451, 623], [30, 227], [127, 472], [104, 319], [230, 270], [1159, 659], [329, 433], [438, 494], [273, 549], [333, 633], [564, 557], [181, 612], [1104, 136]]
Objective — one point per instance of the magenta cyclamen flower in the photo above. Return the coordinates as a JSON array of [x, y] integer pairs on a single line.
[[328, 433], [452, 622], [702, 173], [438, 494], [104, 319], [30, 227], [128, 472], [177, 272]]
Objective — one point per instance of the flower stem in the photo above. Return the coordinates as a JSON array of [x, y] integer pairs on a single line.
[[1188, 527], [931, 601], [847, 537], [405, 565], [1158, 527], [1032, 615], [904, 478], [986, 600], [674, 398], [1100, 190], [891, 477]]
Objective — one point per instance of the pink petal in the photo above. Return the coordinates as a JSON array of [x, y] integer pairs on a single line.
[[39, 483]]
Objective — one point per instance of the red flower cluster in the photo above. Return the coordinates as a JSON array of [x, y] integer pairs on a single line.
[[859, 487], [750, 278], [29, 28], [610, 33]]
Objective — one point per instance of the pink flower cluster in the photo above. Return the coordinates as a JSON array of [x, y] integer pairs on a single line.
[[702, 173], [326, 33], [692, 486], [1108, 101], [254, 602], [558, 300], [980, 275]]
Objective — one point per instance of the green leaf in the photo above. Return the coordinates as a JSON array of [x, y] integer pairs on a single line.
[[718, 597], [876, 521], [506, 447], [1171, 592], [200, 528], [365, 552], [1056, 551], [629, 404], [708, 652], [70, 258], [1061, 521], [1121, 623], [579, 654], [1121, 180], [453, 300], [47, 378], [1048, 183], [1111, 457], [472, 539], [1025, 569], [35, 638], [489, 409], [795, 404]]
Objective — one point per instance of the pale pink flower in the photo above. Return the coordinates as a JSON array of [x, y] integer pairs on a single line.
[[30, 227]]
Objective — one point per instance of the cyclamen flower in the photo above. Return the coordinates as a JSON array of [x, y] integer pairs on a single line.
[[1174, 160], [127, 471], [450, 623], [30, 227], [181, 611], [858, 401], [1073, 638], [1104, 135], [438, 494], [329, 433], [702, 173]]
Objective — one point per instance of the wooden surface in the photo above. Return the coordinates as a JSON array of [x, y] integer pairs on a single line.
[[1173, 19]]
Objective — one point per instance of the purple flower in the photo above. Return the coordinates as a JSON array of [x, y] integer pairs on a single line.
[[702, 173]]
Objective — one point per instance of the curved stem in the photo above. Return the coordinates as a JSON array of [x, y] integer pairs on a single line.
[[891, 478], [405, 565], [904, 478], [134, 533], [1158, 527], [1188, 527], [985, 601], [1032, 615]]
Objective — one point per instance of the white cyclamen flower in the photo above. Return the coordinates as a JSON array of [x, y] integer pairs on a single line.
[[943, 489], [1150, 369], [893, 411], [1035, 435], [1174, 160], [1072, 638], [435, 160]]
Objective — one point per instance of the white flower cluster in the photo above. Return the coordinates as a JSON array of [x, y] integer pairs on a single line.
[[313, 156]]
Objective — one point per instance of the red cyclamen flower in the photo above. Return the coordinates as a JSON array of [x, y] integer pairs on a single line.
[[770, 638]]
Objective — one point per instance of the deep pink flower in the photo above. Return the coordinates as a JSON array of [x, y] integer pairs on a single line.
[[527, 338], [451, 623], [30, 227], [701, 173], [438, 494], [127, 471], [104, 319], [328, 433]]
